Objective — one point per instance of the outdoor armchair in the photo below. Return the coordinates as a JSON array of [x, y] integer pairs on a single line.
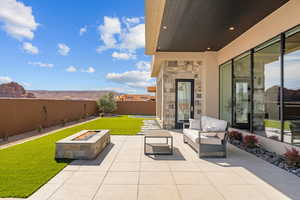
[[207, 136]]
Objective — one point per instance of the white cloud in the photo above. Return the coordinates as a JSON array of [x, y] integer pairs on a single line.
[[89, 70], [41, 64], [133, 38], [129, 21], [136, 79], [82, 30], [143, 65], [127, 36], [29, 48], [123, 56], [71, 69], [5, 79], [108, 30], [17, 19], [63, 49]]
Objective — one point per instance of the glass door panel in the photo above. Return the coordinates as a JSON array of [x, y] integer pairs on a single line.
[[242, 102], [225, 92], [184, 101], [241, 91]]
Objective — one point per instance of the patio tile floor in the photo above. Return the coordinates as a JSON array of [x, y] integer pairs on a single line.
[[122, 171]]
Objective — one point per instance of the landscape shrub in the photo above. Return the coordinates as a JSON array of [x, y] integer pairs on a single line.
[[292, 157], [250, 141], [107, 103], [235, 135]]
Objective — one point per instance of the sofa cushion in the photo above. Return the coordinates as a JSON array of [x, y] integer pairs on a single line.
[[210, 140], [192, 134], [195, 124], [209, 124], [207, 138]]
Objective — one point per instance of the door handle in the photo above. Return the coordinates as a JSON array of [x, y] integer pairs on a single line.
[[192, 108]]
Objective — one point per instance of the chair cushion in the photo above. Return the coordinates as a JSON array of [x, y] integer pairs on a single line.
[[210, 140], [192, 134], [207, 138], [211, 124], [195, 124]]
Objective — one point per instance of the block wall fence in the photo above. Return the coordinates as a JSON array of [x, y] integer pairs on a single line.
[[136, 108], [21, 115]]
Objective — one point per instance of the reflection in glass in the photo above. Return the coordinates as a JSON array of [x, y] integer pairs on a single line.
[[266, 99], [184, 101], [225, 92], [241, 91], [292, 89], [242, 99]]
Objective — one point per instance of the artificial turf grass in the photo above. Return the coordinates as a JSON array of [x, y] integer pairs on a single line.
[[24, 168]]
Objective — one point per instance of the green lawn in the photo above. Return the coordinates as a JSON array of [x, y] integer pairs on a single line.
[[276, 124], [26, 167]]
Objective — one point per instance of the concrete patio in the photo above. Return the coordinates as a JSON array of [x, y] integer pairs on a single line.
[[124, 172]]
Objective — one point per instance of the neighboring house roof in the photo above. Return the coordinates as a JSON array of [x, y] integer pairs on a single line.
[[135, 97], [151, 89]]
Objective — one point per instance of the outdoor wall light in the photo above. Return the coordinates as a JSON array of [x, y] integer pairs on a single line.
[[165, 27], [231, 28]]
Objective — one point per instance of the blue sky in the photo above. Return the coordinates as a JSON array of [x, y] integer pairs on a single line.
[[74, 45]]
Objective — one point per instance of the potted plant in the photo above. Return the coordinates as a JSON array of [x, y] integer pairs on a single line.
[[107, 104]]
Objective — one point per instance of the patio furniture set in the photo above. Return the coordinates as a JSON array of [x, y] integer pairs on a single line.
[[207, 136]]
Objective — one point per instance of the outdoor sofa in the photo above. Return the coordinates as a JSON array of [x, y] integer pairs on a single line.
[[207, 136]]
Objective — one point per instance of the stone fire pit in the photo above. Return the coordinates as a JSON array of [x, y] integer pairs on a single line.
[[86, 144]]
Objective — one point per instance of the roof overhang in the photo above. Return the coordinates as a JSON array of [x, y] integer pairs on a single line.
[[201, 25], [154, 10]]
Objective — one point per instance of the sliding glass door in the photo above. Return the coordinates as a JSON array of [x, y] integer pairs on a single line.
[[241, 91], [267, 83], [291, 93]]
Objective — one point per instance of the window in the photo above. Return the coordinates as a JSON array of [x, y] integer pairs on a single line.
[[292, 89], [266, 90], [225, 91], [254, 92]]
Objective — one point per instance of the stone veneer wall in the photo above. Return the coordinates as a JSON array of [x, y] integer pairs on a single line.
[[172, 70]]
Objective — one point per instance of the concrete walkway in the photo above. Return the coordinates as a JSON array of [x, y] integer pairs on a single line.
[[124, 172]]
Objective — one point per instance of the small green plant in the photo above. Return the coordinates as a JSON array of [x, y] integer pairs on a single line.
[[292, 157], [250, 141], [107, 103], [39, 129]]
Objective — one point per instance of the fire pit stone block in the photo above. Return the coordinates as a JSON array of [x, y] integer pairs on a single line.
[[85, 149]]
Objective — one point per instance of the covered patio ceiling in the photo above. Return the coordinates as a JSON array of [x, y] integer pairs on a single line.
[[201, 25]]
